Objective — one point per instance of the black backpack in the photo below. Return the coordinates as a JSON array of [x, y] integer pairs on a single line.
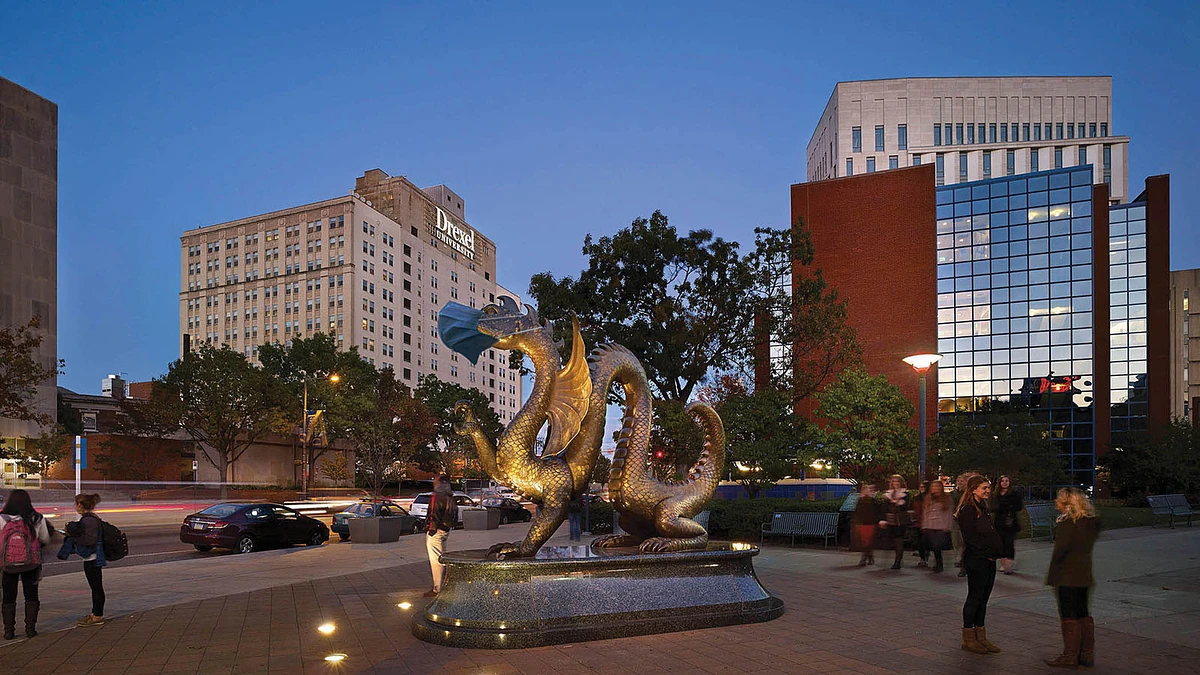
[[116, 544]]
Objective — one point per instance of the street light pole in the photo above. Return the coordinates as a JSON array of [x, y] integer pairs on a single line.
[[921, 363], [304, 445]]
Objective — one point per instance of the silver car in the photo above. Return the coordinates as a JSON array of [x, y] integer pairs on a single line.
[[420, 505]]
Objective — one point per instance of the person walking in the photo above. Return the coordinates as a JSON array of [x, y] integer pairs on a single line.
[[1007, 504], [936, 522], [1071, 576], [438, 523], [867, 518], [896, 505], [575, 518], [918, 522], [23, 533], [90, 546], [981, 548]]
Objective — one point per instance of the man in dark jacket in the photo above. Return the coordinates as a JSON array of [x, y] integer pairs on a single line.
[[438, 523]]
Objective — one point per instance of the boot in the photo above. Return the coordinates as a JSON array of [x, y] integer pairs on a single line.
[[981, 635], [970, 643], [1071, 638], [31, 612], [1087, 642], [9, 612]]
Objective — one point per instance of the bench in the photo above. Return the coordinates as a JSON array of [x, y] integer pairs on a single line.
[[1170, 506], [823, 525], [1041, 517]]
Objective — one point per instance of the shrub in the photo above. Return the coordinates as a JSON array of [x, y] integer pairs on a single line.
[[742, 519], [600, 516]]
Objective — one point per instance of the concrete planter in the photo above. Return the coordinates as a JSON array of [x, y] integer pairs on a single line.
[[480, 519], [376, 530]]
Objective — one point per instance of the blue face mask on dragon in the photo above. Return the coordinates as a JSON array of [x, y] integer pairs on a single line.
[[458, 326]]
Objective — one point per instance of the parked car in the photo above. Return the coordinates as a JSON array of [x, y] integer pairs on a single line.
[[371, 509], [250, 527], [510, 510], [420, 505]]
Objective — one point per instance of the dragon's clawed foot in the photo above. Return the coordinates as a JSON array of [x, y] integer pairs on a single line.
[[467, 422], [669, 544], [615, 541], [502, 551]]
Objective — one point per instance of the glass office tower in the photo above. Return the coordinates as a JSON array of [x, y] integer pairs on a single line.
[[1128, 325], [1015, 295]]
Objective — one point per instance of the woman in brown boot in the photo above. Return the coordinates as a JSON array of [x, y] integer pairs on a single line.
[[1071, 575], [23, 533], [981, 548]]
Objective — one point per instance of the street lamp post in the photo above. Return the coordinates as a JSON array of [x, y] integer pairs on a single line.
[[921, 363], [304, 445]]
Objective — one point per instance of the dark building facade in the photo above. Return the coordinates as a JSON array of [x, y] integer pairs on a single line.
[[1031, 288]]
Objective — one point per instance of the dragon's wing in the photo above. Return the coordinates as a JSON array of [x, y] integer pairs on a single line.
[[569, 403]]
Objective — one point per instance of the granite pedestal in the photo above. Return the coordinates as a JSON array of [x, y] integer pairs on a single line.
[[575, 594]]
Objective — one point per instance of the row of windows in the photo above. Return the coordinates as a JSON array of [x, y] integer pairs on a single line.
[[901, 138], [970, 134]]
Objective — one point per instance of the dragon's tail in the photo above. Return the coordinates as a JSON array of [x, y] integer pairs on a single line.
[[708, 467], [614, 363]]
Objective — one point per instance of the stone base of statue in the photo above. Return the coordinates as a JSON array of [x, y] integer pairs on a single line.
[[575, 594]]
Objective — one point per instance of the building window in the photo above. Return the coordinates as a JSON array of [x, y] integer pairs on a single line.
[[1037, 132], [902, 136], [991, 133], [1058, 158], [870, 165], [1082, 156], [1047, 131], [962, 167], [856, 139], [958, 133], [1024, 132], [937, 134], [1071, 129], [1104, 128], [1108, 165], [1033, 159], [1091, 130], [987, 165], [916, 160], [1058, 131], [940, 170], [970, 133], [849, 166], [894, 162], [879, 138]]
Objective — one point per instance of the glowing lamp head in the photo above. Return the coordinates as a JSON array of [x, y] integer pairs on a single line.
[[335, 378], [922, 362], [326, 628]]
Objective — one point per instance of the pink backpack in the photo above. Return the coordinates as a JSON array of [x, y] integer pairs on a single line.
[[20, 550]]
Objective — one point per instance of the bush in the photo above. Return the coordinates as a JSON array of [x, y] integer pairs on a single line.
[[600, 516], [742, 519]]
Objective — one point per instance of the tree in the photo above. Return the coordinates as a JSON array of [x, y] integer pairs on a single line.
[[867, 433], [42, 451], [600, 470], [1003, 439], [222, 401], [315, 358], [21, 372], [1161, 459], [441, 397], [337, 468], [387, 424], [142, 443]]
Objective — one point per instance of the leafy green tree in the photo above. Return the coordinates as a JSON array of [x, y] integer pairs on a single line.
[[766, 438], [315, 358], [1161, 459], [1004, 439], [21, 372], [441, 397], [867, 433], [223, 402], [337, 468], [387, 426], [600, 470]]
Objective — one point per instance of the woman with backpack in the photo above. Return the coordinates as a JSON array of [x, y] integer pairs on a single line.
[[23, 533], [91, 538]]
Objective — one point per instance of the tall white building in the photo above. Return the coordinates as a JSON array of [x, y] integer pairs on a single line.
[[971, 128], [342, 267]]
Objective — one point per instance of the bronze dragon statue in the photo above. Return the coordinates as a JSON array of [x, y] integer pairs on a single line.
[[573, 400]]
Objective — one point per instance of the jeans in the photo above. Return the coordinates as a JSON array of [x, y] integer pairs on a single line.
[[1072, 602], [981, 576], [29, 585], [576, 521], [435, 544], [70, 546], [95, 578]]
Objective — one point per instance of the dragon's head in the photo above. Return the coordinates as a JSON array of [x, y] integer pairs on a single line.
[[471, 331], [504, 322]]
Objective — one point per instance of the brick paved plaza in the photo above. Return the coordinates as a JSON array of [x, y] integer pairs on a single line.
[[840, 618]]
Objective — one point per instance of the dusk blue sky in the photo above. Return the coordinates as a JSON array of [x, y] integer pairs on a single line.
[[550, 120]]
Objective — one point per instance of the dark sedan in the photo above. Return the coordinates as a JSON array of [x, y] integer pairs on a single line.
[[371, 509], [510, 510], [250, 527]]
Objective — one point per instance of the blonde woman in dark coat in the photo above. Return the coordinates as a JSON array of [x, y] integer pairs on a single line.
[[1071, 576]]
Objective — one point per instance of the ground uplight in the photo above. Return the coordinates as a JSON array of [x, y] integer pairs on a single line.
[[335, 658], [326, 628]]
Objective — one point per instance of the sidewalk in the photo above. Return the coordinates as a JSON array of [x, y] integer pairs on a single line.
[[259, 613]]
